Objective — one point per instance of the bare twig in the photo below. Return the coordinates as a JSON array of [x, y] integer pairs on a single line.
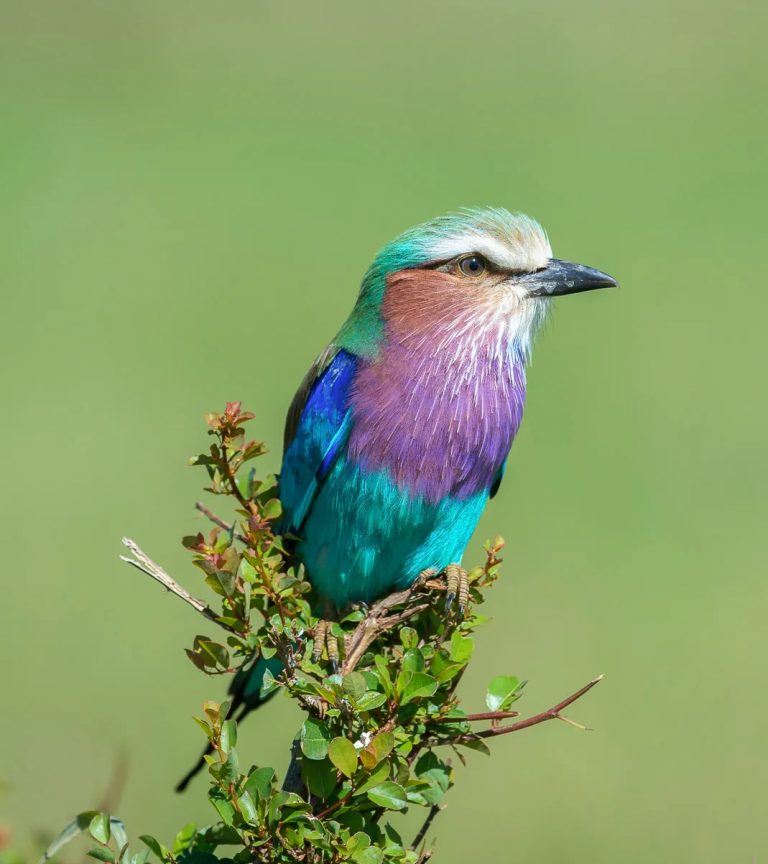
[[552, 714], [433, 811], [217, 520], [142, 561]]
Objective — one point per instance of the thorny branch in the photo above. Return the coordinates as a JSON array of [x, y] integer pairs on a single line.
[[551, 714], [217, 520]]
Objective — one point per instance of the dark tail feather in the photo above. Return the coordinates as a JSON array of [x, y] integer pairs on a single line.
[[195, 770], [245, 690]]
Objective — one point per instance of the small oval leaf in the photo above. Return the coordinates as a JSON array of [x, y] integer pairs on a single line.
[[341, 751], [390, 795]]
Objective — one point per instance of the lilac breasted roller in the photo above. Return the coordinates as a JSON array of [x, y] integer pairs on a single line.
[[400, 431]]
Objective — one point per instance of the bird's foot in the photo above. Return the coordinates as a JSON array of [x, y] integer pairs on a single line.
[[424, 577], [457, 589], [325, 640], [357, 606]]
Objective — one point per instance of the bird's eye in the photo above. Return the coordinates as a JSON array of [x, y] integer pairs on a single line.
[[473, 265]]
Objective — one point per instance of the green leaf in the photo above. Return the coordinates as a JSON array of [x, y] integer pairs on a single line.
[[79, 824], [228, 738], [357, 842], [204, 726], [199, 856], [390, 795], [272, 509], [314, 739], [415, 797], [447, 671], [229, 770], [268, 684], [184, 838], [419, 685], [371, 855], [99, 828], [409, 637], [461, 648], [378, 776], [370, 700], [247, 571], [476, 744], [101, 853], [216, 652], [354, 684], [341, 751], [502, 692], [119, 834], [259, 782], [219, 583], [284, 799], [156, 846], [320, 777], [383, 670], [434, 771], [413, 660], [224, 808], [248, 808]]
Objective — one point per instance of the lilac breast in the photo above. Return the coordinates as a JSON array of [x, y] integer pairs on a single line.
[[438, 422]]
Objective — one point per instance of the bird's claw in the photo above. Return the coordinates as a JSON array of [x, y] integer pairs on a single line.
[[457, 586], [424, 577], [324, 640], [358, 605]]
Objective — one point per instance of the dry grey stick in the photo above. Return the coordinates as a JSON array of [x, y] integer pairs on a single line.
[[142, 561]]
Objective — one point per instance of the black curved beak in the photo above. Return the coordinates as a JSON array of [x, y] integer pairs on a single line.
[[565, 277]]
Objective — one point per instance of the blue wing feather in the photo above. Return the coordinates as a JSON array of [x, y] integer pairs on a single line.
[[321, 431]]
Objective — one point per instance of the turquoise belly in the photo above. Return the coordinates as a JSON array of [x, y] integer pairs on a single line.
[[364, 537]]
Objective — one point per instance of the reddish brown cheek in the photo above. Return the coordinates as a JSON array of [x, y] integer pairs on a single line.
[[415, 299]]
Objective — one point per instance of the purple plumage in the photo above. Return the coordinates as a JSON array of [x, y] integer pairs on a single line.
[[435, 432], [439, 406]]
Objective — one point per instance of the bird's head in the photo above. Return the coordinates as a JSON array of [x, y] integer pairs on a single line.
[[483, 274]]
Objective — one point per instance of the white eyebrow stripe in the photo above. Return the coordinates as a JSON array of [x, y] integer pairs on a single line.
[[530, 257]]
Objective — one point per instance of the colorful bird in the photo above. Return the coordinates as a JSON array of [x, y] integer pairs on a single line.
[[400, 431]]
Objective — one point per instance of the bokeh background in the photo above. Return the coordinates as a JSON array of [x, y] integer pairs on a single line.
[[189, 194]]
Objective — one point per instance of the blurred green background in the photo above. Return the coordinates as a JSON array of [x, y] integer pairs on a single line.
[[189, 195]]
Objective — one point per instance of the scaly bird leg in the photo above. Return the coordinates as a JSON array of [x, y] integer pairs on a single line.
[[321, 631], [325, 640], [457, 587]]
